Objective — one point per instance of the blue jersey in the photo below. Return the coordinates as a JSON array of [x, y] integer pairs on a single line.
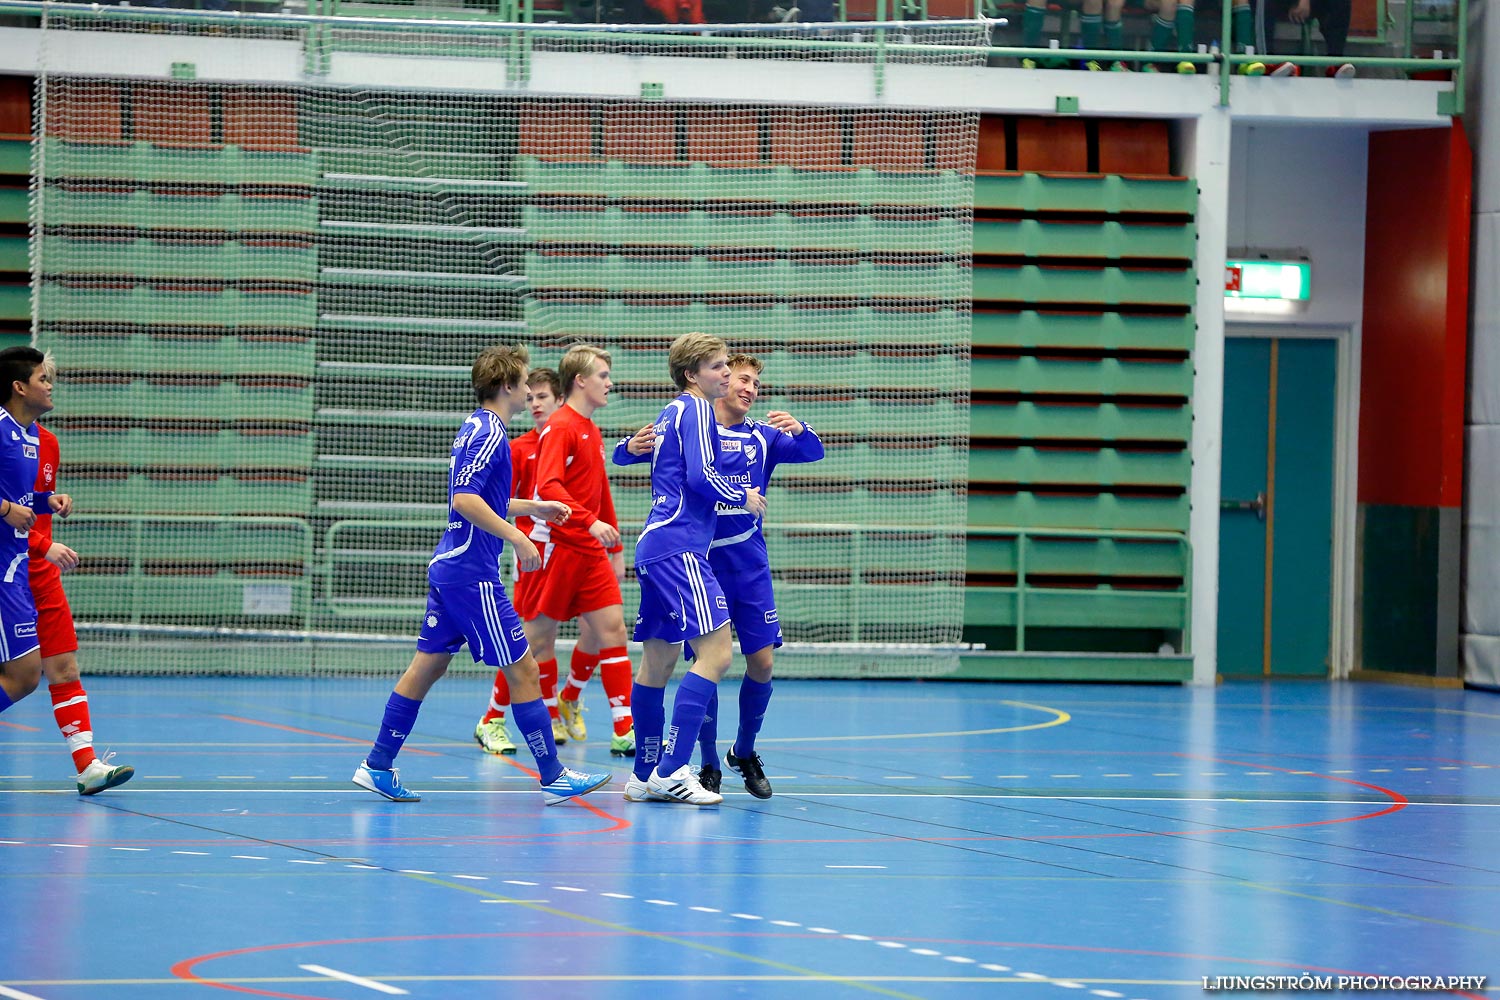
[[18, 463], [686, 483], [479, 464], [748, 454]]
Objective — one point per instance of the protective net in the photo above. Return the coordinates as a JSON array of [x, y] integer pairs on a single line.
[[265, 297]]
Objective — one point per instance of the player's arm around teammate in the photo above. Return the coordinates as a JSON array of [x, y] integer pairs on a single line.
[[680, 599]]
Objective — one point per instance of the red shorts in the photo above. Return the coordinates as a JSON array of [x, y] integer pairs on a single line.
[[523, 594], [54, 619], [574, 582]]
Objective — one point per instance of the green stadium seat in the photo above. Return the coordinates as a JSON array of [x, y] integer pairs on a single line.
[[1114, 195], [185, 447], [1101, 511], [1109, 331], [1083, 466], [1036, 285], [1109, 240], [1107, 376], [1028, 420]]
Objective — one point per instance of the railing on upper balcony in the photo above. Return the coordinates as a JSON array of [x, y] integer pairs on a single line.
[[882, 18], [1413, 32]]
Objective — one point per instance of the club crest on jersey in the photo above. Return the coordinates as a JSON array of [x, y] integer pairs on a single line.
[[729, 444], [432, 621], [47, 473], [749, 452]]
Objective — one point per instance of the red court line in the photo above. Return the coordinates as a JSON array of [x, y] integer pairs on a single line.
[[620, 822], [326, 736], [184, 969], [17, 725]]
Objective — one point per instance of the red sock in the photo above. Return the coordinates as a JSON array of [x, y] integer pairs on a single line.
[[499, 699], [580, 670], [70, 707], [547, 674], [615, 673]]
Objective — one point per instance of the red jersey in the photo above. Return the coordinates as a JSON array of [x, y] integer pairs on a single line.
[[523, 474], [40, 539], [570, 468]]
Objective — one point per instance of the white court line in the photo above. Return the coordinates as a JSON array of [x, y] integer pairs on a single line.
[[1226, 798], [369, 984], [6, 991]]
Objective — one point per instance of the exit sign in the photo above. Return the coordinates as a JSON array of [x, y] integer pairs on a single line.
[[1288, 280]]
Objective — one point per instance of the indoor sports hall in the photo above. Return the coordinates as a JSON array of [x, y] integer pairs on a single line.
[[1141, 636]]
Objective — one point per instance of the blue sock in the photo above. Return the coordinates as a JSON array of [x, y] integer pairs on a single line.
[[708, 736], [693, 695], [395, 727], [648, 705], [754, 697], [535, 724], [5, 701]]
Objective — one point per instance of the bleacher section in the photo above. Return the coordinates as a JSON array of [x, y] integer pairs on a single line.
[[1082, 379], [246, 363]]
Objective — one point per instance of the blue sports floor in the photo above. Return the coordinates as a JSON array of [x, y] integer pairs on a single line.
[[938, 840]]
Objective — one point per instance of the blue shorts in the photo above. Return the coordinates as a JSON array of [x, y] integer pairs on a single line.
[[477, 613], [680, 599], [17, 618], [752, 607]]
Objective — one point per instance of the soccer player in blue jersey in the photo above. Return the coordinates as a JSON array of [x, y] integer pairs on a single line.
[[681, 601], [466, 601], [25, 394], [749, 451]]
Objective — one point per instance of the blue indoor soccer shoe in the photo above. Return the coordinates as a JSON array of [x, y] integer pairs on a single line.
[[387, 783], [571, 784]]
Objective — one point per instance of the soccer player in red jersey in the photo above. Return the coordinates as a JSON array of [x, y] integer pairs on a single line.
[[48, 561], [543, 397], [583, 562], [39, 618]]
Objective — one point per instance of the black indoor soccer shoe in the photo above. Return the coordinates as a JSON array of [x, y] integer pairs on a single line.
[[711, 777], [752, 770]]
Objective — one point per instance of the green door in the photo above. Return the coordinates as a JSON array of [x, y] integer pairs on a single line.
[[1276, 518]]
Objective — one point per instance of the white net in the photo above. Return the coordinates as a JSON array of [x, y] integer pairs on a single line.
[[264, 299]]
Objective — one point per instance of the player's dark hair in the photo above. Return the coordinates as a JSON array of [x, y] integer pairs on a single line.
[[547, 377], [17, 364]]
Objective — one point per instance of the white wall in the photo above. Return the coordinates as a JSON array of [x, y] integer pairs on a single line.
[[1294, 186]]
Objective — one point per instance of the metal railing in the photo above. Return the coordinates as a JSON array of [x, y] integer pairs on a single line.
[[1026, 536], [518, 25]]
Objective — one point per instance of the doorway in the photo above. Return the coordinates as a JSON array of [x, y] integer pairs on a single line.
[[1278, 492]]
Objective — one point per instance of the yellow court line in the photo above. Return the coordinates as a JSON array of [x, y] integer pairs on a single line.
[[1059, 717], [1374, 909]]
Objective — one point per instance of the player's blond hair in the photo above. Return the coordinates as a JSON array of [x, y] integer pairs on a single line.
[[498, 368], [580, 361], [688, 352], [49, 365], [746, 361]]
